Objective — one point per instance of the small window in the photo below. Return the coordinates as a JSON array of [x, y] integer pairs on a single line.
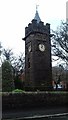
[[28, 62]]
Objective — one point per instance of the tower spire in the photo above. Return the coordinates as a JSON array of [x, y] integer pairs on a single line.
[[37, 15]]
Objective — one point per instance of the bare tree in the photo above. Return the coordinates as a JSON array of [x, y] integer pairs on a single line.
[[60, 42], [8, 54]]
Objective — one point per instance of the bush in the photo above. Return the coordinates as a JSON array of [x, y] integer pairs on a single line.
[[18, 90]]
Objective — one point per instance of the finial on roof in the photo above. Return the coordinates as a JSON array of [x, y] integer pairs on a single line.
[[37, 7], [37, 15]]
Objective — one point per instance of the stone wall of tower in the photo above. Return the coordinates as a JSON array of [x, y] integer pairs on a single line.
[[38, 75]]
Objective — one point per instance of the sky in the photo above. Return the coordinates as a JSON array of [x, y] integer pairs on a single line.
[[67, 10], [15, 15]]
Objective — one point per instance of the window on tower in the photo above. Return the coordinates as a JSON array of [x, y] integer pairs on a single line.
[[28, 62]]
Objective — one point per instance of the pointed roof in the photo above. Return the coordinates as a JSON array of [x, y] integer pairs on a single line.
[[37, 16]]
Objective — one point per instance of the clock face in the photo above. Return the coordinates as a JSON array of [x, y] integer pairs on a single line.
[[29, 48], [42, 47]]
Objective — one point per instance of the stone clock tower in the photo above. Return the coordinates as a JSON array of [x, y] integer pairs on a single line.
[[38, 69]]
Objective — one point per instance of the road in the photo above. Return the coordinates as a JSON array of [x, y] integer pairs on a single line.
[[36, 112]]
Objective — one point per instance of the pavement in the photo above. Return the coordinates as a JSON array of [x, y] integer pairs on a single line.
[[34, 113]]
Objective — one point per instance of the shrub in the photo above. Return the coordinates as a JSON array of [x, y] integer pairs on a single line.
[[18, 90]]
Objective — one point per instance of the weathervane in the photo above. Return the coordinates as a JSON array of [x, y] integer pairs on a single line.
[[37, 7]]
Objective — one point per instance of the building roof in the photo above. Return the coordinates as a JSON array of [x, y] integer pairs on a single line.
[[37, 16]]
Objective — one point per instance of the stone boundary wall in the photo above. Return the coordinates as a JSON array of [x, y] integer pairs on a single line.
[[33, 99]]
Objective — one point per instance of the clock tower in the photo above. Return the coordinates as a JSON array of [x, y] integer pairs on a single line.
[[38, 69]]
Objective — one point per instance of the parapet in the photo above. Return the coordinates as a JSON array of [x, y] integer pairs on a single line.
[[37, 27]]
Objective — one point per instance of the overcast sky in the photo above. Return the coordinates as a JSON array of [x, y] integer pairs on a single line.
[[16, 14]]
